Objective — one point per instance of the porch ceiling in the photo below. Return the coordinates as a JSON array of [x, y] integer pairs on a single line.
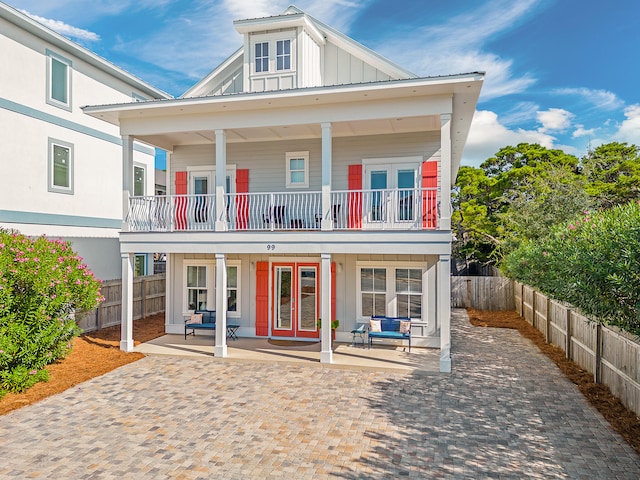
[[294, 132]]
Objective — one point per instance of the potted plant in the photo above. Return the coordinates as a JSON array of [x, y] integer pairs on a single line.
[[334, 324]]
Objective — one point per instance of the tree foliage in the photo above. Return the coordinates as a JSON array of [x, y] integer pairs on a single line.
[[592, 262], [42, 284], [522, 191]]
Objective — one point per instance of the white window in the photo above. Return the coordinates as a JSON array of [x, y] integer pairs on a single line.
[[58, 81], [139, 181], [409, 292], [297, 169], [262, 57], [373, 291], [233, 289], [199, 286], [283, 55], [60, 171], [395, 291]]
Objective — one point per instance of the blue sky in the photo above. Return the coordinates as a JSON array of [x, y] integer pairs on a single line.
[[562, 73]]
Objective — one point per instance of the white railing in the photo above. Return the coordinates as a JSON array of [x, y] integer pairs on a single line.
[[390, 209]]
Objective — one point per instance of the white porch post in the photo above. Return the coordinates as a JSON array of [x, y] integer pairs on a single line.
[[444, 311], [126, 323], [127, 177], [445, 171], [327, 214], [220, 349], [221, 179], [326, 352]]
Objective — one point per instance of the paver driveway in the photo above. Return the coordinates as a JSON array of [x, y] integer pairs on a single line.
[[505, 412]]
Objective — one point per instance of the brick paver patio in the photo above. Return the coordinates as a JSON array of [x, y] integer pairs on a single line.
[[505, 412]]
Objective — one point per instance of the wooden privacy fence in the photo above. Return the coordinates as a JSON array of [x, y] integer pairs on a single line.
[[482, 293], [611, 355], [148, 299]]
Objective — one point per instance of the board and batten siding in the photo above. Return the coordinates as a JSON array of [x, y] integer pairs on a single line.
[[266, 160], [309, 73], [342, 68]]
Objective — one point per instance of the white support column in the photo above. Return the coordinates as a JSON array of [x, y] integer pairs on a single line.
[[327, 158], [127, 177], [168, 290], [445, 171], [326, 350], [444, 311], [126, 323], [221, 179], [220, 349]]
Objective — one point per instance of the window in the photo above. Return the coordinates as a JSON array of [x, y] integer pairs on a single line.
[[139, 265], [138, 181], [409, 292], [197, 288], [390, 290], [373, 288], [60, 166], [262, 57], [283, 55], [232, 289], [297, 169], [58, 81]]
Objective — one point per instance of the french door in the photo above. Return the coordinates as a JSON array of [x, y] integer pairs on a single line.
[[295, 299], [392, 199]]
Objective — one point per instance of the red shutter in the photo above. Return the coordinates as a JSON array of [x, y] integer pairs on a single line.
[[430, 196], [262, 299], [333, 291], [181, 202], [355, 196], [242, 201]]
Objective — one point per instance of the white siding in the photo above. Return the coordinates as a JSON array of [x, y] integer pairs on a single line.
[[310, 73], [340, 67]]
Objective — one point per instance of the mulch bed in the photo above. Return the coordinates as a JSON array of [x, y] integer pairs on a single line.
[[623, 420]]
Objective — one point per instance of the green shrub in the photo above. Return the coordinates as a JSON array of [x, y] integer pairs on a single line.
[[592, 263], [42, 283]]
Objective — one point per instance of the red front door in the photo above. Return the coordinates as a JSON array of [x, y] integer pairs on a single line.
[[295, 300]]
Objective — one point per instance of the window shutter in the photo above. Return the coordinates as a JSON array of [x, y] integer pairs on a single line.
[[262, 299], [430, 196], [355, 196], [181, 202], [242, 201]]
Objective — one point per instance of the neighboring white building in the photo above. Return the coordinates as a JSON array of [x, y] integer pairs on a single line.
[[308, 177], [60, 170]]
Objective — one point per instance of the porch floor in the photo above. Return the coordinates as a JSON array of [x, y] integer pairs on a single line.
[[379, 357]]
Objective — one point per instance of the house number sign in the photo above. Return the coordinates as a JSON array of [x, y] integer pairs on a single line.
[[271, 247]]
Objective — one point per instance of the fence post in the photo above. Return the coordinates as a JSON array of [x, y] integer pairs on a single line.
[[548, 334], [568, 334], [598, 353]]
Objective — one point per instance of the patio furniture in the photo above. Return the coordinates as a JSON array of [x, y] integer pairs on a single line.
[[208, 322], [358, 334], [395, 328]]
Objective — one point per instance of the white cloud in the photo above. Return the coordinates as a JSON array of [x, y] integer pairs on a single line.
[[629, 129], [65, 29], [456, 46], [554, 119], [488, 135], [580, 131], [601, 99]]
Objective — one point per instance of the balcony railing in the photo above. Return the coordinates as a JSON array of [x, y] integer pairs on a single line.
[[390, 209]]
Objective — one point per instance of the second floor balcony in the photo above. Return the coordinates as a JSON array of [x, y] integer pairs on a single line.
[[352, 210]]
